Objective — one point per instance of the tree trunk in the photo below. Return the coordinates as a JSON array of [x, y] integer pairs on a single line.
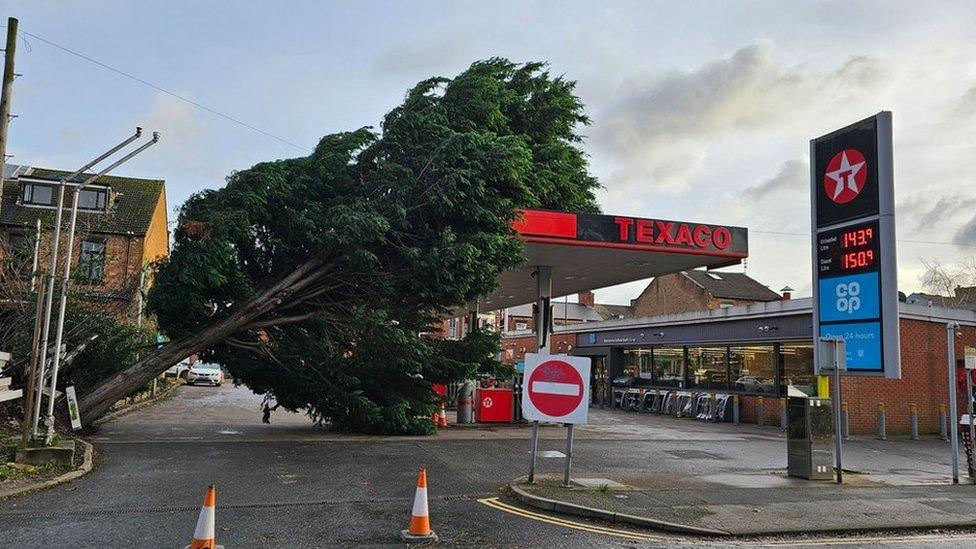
[[98, 401]]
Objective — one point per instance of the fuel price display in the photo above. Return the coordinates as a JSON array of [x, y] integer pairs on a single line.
[[848, 250]]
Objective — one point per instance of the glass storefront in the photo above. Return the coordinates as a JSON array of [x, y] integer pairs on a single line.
[[637, 363], [798, 367], [753, 368], [669, 366], [750, 369], [708, 368]]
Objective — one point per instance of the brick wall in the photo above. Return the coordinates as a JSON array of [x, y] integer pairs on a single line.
[[116, 293], [671, 294]]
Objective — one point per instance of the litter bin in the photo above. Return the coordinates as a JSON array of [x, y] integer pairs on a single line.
[[808, 438], [494, 405]]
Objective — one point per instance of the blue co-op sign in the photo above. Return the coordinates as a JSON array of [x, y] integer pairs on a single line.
[[855, 282]]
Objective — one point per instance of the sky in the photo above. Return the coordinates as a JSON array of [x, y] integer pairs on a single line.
[[701, 111]]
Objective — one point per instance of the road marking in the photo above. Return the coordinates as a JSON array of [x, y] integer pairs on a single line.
[[858, 540], [511, 509]]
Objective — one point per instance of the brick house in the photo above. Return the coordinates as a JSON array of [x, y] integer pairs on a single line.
[[699, 290], [121, 229]]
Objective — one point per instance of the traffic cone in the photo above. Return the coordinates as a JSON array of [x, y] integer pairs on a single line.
[[419, 529], [205, 536], [442, 418]]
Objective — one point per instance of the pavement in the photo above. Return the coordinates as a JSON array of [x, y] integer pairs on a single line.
[[293, 484]]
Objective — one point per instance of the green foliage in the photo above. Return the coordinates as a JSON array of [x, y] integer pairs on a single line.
[[109, 345], [410, 224]]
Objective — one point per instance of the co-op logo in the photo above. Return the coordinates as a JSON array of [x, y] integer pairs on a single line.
[[848, 297]]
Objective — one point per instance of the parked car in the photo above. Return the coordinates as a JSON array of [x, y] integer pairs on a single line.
[[204, 374], [177, 370]]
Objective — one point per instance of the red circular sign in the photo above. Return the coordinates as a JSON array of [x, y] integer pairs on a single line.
[[845, 176], [555, 388]]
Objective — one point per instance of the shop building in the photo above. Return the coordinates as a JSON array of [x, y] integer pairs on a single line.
[[756, 351]]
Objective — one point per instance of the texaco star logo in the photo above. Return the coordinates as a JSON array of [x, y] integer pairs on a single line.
[[845, 176]]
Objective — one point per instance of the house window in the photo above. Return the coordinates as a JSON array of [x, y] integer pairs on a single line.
[[36, 194], [92, 199], [91, 266]]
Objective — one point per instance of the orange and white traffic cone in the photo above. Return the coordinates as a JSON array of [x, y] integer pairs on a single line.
[[205, 536], [442, 418], [419, 529]]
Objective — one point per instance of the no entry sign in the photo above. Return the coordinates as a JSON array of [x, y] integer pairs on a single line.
[[556, 388]]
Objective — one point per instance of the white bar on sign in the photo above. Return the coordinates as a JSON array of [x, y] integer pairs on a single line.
[[552, 388]]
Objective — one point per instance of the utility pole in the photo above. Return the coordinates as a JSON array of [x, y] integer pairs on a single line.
[[7, 89]]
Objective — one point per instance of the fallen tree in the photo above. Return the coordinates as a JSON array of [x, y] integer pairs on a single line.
[[314, 279]]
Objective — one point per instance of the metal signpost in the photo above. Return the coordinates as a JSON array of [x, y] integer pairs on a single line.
[[855, 286], [834, 352], [555, 389], [951, 328]]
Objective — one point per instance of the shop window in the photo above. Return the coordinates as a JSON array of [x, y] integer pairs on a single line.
[[91, 266], [708, 368], [637, 363], [798, 367], [753, 369], [668, 366], [39, 195]]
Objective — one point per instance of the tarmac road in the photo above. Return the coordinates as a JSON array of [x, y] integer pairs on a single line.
[[291, 484]]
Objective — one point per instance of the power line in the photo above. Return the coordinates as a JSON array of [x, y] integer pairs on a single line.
[[901, 240], [167, 92]]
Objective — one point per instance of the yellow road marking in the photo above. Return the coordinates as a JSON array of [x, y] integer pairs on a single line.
[[504, 507]]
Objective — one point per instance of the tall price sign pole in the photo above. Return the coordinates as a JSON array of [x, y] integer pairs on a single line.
[[855, 282]]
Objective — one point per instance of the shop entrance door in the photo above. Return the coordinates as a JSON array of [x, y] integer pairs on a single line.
[[599, 381]]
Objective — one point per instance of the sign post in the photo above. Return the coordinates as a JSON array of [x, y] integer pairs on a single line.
[[833, 350], [951, 328], [555, 389], [853, 224]]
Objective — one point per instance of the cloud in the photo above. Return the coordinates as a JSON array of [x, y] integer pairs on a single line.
[[446, 52], [794, 175], [657, 121], [945, 209], [174, 118], [966, 235]]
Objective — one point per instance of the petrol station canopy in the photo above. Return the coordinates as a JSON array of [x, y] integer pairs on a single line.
[[588, 251]]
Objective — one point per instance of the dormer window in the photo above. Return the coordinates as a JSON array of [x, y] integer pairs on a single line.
[[37, 194], [93, 199]]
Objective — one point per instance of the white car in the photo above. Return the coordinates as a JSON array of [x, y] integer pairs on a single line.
[[204, 374], [177, 370]]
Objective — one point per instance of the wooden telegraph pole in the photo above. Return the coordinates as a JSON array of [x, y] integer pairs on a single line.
[[6, 90]]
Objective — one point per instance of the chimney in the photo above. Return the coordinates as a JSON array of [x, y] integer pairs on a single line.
[[787, 293], [586, 298]]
